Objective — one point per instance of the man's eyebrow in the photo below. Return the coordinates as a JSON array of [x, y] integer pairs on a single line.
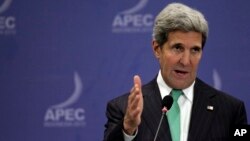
[[197, 46], [177, 44]]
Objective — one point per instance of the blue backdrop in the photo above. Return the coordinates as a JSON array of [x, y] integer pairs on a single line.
[[62, 60]]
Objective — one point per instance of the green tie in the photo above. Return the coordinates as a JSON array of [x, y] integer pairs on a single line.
[[174, 116]]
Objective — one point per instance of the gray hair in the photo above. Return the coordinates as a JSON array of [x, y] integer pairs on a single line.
[[177, 16]]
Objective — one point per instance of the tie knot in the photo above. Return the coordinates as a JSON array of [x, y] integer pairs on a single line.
[[176, 94]]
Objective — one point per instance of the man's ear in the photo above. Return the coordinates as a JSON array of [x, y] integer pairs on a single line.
[[156, 49]]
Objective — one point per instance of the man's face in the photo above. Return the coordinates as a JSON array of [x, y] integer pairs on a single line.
[[179, 58]]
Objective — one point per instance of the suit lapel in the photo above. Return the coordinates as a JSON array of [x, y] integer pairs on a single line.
[[203, 111], [201, 115], [152, 111]]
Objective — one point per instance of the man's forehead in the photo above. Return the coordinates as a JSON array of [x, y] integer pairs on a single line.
[[185, 38]]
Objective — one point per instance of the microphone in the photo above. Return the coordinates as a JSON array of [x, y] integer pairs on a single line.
[[166, 105]]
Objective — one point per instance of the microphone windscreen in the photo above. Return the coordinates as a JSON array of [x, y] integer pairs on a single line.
[[167, 101]]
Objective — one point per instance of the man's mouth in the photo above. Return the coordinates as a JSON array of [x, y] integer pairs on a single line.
[[181, 72]]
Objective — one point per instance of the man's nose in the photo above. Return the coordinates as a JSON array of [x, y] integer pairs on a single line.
[[185, 58]]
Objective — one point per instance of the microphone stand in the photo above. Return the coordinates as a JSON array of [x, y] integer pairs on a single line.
[[164, 110]]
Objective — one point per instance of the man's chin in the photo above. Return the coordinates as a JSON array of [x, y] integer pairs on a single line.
[[181, 84]]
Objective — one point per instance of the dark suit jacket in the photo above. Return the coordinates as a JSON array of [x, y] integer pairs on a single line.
[[205, 125]]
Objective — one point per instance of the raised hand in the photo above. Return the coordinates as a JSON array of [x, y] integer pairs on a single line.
[[132, 117]]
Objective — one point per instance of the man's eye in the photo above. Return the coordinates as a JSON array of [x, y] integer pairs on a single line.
[[178, 48], [196, 49]]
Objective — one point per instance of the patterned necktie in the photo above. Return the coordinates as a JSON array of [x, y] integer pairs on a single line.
[[174, 116]]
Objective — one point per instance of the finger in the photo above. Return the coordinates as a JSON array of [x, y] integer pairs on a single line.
[[134, 113], [135, 91], [135, 102], [137, 112], [132, 95], [135, 97], [137, 81]]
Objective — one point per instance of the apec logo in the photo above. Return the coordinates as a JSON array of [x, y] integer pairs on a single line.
[[5, 5], [62, 115], [7, 23], [130, 21], [217, 80]]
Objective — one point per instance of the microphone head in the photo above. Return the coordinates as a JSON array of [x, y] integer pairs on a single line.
[[167, 101]]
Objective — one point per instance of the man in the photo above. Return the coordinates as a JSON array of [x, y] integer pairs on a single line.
[[204, 113]]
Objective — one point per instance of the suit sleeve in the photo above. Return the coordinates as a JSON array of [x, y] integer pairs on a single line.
[[114, 126], [241, 116]]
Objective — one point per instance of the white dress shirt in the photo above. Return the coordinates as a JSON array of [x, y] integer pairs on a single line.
[[185, 102]]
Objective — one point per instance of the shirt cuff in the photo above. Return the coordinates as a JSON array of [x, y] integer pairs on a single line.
[[129, 137]]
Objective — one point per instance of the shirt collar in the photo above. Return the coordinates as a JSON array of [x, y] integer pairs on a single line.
[[165, 89]]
